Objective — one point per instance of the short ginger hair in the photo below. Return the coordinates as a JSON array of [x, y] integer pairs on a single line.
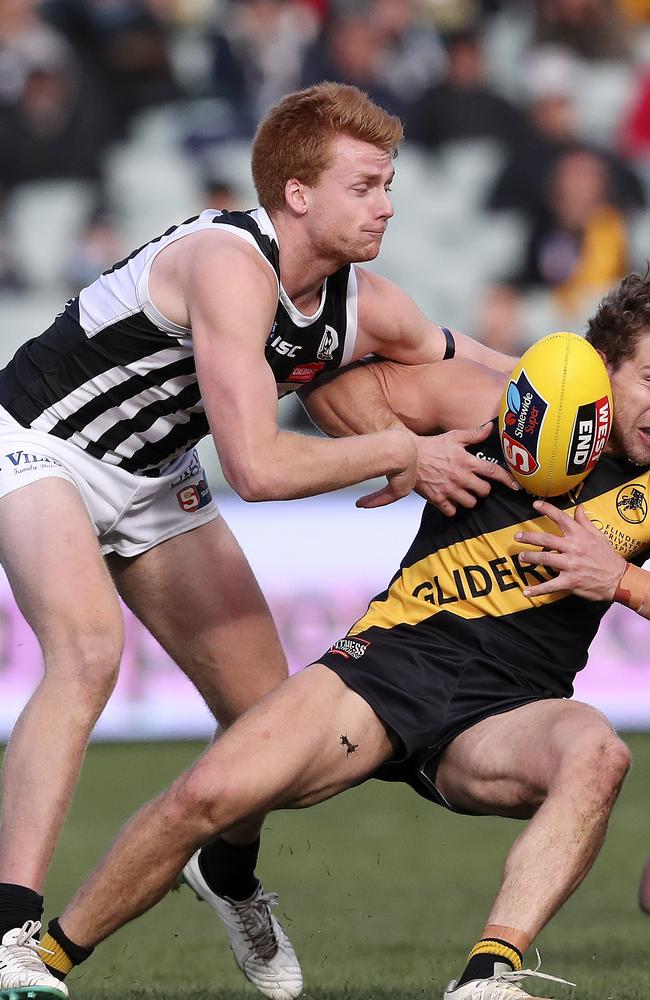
[[293, 139]]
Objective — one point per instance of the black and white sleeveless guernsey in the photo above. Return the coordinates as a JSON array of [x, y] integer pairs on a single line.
[[116, 378]]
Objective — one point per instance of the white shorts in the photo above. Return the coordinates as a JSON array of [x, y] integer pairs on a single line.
[[130, 513]]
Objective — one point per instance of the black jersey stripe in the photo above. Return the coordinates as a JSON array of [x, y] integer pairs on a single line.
[[145, 418], [118, 394], [183, 436], [62, 359]]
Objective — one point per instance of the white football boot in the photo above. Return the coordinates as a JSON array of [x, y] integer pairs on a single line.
[[503, 985], [22, 972], [262, 950]]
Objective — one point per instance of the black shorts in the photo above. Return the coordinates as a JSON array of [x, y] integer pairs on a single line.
[[428, 691]]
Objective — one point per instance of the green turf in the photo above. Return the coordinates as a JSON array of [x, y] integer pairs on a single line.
[[381, 892]]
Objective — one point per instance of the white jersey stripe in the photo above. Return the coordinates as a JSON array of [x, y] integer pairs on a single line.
[[130, 408], [102, 383], [351, 313], [158, 430]]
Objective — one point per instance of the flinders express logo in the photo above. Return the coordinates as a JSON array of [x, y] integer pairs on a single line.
[[523, 422]]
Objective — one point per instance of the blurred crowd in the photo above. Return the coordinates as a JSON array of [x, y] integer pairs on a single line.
[[76, 77]]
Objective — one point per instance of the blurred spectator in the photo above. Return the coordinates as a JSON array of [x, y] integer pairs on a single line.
[[552, 133], [576, 250], [413, 56], [220, 193], [11, 278], [593, 29], [97, 248], [258, 56], [25, 40], [635, 130], [353, 49], [500, 323], [319, 7], [463, 106], [452, 15], [58, 126], [579, 248], [125, 46], [635, 11]]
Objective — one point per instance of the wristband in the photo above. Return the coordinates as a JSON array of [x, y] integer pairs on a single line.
[[633, 588], [450, 348]]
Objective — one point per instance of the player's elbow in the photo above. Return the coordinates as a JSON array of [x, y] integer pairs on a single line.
[[251, 483]]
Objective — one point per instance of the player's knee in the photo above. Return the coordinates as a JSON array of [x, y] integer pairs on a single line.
[[600, 765], [87, 662], [612, 760], [205, 801]]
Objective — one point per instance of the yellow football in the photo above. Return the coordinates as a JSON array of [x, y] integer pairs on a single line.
[[556, 414]]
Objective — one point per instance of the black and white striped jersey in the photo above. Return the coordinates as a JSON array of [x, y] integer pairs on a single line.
[[115, 377]]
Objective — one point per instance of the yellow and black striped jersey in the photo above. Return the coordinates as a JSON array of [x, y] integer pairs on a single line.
[[460, 585]]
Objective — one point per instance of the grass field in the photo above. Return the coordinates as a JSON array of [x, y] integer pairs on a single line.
[[381, 892]]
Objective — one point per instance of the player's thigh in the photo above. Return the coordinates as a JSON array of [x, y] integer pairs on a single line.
[[50, 553], [307, 740], [197, 594], [508, 763]]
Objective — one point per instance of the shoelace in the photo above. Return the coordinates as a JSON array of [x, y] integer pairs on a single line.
[[256, 922], [24, 950], [510, 979]]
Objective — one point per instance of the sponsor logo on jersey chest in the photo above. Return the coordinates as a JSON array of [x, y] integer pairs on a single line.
[[632, 504], [305, 373]]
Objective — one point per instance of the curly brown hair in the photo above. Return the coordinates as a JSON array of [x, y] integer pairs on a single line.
[[621, 318], [293, 139]]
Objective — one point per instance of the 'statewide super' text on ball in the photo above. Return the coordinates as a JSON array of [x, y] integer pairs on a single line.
[[556, 414]]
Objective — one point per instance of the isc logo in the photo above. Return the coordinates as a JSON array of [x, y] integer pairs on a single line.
[[281, 346]]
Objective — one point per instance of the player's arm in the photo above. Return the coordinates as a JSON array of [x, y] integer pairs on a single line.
[[426, 398], [585, 561], [231, 296], [393, 326]]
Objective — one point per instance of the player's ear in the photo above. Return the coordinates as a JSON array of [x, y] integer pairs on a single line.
[[603, 357], [295, 196]]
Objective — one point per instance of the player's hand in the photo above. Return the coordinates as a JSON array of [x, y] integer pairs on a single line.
[[586, 563], [450, 477], [400, 483]]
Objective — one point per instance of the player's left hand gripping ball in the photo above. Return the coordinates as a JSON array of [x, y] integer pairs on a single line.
[[556, 414]]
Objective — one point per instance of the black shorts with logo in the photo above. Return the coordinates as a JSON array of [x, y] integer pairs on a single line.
[[428, 691]]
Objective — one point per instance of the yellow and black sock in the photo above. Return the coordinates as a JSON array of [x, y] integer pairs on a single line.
[[64, 954], [484, 955]]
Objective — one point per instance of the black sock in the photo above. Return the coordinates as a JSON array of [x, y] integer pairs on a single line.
[[17, 905], [482, 957], [64, 954], [229, 869]]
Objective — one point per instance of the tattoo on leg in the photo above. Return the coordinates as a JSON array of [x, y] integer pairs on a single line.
[[350, 747]]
